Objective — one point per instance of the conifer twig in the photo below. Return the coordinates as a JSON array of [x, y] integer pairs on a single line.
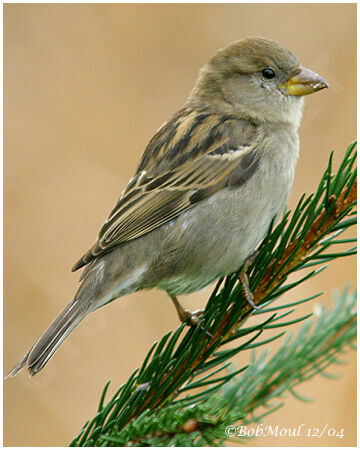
[[173, 366], [261, 386]]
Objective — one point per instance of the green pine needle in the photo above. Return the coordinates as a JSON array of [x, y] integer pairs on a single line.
[[147, 409]]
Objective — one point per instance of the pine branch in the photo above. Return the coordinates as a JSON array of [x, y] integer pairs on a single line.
[[311, 352], [174, 365], [317, 345]]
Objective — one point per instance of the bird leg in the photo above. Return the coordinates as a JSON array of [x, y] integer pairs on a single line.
[[192, 318], [244, 280]]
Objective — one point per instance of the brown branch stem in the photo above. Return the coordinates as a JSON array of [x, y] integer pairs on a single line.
[[309, 243]]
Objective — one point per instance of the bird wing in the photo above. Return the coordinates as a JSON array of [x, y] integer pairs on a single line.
[[191, 157]]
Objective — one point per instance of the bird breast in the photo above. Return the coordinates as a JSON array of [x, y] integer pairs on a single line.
[[215, 237]]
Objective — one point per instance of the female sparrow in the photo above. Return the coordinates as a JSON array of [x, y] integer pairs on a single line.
[[208, 185]]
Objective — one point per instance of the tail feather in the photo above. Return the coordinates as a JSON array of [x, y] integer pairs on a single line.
[[38, 356]]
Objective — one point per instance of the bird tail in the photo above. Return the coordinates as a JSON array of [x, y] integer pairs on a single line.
[[39, 355]]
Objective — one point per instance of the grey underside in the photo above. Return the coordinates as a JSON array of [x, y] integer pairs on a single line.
[[209, 241], [186, 254]]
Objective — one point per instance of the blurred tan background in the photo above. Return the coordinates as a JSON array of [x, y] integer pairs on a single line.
[[85, 88]]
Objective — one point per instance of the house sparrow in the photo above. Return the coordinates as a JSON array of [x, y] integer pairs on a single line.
[[209, 184]]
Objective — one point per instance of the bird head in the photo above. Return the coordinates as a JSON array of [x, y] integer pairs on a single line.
[[256, 78]]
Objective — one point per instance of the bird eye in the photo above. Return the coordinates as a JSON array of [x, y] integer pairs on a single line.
[[268, 73]]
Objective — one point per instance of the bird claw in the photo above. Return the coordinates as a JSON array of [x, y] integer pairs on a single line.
[[250, 298], [190, 318], [243, 278], [193, 319]]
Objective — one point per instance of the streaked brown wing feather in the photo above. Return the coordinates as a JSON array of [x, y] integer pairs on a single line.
[[201, 164], [155, 207]]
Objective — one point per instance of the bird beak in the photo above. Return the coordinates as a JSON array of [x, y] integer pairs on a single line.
[[303, 82]]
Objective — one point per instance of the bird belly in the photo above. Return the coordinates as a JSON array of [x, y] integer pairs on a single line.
[[209, 241], [213, 239]]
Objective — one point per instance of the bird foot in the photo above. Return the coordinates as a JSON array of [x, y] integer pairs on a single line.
[[191, 318], [244, 280]]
